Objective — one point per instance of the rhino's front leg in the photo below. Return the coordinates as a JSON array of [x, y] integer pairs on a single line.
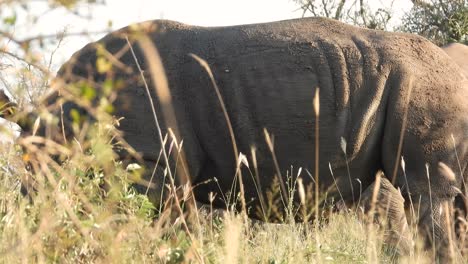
[[434, 212], [386, 206], [436, 225]]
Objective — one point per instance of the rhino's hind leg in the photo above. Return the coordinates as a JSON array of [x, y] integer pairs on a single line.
[[382, 201]]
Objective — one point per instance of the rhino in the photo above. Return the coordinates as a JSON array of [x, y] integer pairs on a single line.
[[390, 102], [459, 53]]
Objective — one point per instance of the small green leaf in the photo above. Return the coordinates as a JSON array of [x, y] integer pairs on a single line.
[[75, 115], [107, 87], [103, 65], [10, 20], [109, 109], [88, 92], [147, 208]]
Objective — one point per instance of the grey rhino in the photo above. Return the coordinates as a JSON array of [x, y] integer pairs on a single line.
[[459, 53], [388, 95]]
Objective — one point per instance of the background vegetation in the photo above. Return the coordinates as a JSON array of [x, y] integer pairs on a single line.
[[85, 210], [440, 21]]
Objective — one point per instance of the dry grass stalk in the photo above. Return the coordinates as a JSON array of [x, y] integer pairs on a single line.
[[162, 90], [271, 147], [316, 105], [402, 130], [447, 212], [207, 68]]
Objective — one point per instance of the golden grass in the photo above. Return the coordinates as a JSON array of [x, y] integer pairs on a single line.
[[118, 227], [85, 211]]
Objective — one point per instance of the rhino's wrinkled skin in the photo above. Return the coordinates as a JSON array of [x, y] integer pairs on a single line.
[[386, 204], [459, 53], [371, 84]]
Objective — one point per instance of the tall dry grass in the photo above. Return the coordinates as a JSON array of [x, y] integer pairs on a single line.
[[84, 208]]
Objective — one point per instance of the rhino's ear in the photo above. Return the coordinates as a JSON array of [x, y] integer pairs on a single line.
[[7, 107]]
